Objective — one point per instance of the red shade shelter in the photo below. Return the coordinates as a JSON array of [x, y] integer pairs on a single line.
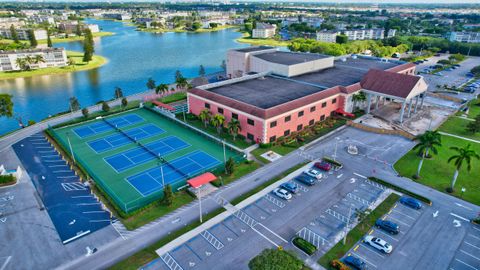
[[201, 180], [163, 105]]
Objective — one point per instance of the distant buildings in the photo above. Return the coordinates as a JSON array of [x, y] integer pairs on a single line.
[[71, 27], [356, 34], [468, 37], [264, 30], [52, 57], [23, 33], [327, 36], [117, 16]]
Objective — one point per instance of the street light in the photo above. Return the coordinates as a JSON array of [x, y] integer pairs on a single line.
[[347, 225], [70, 146], [200, 202], [336, 143], [463, 191]]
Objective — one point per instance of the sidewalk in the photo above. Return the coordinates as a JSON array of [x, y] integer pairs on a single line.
[[459, 137]]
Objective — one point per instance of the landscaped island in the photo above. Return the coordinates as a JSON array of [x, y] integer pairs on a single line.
[[76, 64]]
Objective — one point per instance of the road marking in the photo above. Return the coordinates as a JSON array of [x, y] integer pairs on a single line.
[[435, 214], [368, 247], [457, 223], [460, 217], [396, 211], [471, 255], [100, 220], [371, 231], [466, 264], [476, 229], [464, 206], [363, 259], [387, 234], [473, 236], [273, 243], [6, 262], [359, 175], [91, 212], [355, 249], [472, 245], [399, 221]]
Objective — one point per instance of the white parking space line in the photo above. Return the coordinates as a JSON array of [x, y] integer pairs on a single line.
[[464, 263], [6, 263], [100, 220], [363, 259], [472, 245], [54, 166], [460, 217], [471, 235], [469, 254], [399, 221], [386, 234], [359, 175], [62, 171], [369, 248], [476, 229], [396, 211]]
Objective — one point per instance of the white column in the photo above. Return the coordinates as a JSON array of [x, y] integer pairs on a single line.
[[402, 111], [423, 98], [416, 104], [410, 103], [369, 102]]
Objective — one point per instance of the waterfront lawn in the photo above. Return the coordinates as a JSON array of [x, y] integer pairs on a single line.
[[437, 172], [75, 38], [358, 232], [262, 41], [79, 65], [474, 108], [457, 126]]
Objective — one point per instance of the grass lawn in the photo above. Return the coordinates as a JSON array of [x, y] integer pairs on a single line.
[[156, 210], [437, 173], [474, 108], [96, 62], [458, 126], [75, 38], [279, 149], [262, 41], [358, 232], [241, 170], [174, 97]]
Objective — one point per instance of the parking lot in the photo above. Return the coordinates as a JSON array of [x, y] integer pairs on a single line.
[[468, 253], [314, 213]]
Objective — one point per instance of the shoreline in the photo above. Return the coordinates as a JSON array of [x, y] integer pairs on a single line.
[[246, 39], [96, 62], [177, 30], [76, 38]]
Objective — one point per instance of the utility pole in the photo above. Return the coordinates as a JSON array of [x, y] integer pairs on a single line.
[[347, 225]]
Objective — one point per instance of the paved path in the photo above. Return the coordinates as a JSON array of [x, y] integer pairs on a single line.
[[459, 137]]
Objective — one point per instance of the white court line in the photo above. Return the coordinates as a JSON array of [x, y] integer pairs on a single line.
[[471, 255], [369, 248], [460, 217], [466, 264], [473, 236], [62, 171], [68, 176], [100, 220], [396, 211], [84, 196], [92, 212], [399, 221], [363, 259], [472, 245], [6, 262], [359, 175], [88, 203]]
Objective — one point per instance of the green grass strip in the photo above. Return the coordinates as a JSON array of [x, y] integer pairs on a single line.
[[401, 190], [358, 232]]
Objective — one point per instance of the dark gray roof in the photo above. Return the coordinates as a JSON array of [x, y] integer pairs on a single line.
[[290, 58], [254, 49], [275, 90]]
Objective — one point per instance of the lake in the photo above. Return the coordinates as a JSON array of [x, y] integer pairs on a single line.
[[133, 57]]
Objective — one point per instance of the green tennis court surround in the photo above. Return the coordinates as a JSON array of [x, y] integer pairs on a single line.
[[130, 170]]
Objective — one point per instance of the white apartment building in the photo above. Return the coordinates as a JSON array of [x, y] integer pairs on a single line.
[[468, 37], [374, 33], [23, 33], [117, 16], [264, 30], [53, 57], [327, 36], [71, 27]]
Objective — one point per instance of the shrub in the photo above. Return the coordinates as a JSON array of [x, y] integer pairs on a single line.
[[275, 259], [339, 265], [105, 107], [265, 145], [304, 245], [333, 162], [7, 179]]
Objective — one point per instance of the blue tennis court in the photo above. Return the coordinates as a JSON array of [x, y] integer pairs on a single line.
[[117, 140], [150, 181], [100, 127], [125, 160]]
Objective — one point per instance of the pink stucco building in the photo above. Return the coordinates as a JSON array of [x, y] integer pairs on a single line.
[[274, 93]]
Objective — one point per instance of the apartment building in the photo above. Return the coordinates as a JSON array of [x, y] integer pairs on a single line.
[[71, 27], [468, 37], [52, 57], [23, 33], [327, 36], [264, 30]]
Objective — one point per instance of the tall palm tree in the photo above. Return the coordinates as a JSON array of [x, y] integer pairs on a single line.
[[21, 63], [217, 121], [234, 127], [427, 141], [205, 116], [182, 83], [163, 88], [38, 59], [464, 154]]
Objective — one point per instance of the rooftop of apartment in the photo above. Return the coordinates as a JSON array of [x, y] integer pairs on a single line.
[[290, 58], [271, 90]]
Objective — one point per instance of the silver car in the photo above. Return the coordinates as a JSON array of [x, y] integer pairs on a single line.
[[282, 193]]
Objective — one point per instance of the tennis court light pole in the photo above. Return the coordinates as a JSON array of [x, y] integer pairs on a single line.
[[161, 171], [200, 202], [224, 156]]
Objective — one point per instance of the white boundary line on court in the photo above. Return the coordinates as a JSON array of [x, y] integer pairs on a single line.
[[75, 237]]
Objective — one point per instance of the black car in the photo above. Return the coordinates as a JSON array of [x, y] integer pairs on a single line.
[[305, 179], [355, 263], [387, 226]]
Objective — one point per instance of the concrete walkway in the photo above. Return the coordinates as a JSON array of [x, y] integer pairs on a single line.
[[459, 137]]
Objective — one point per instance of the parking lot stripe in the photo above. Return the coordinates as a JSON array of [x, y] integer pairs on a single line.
[[472, 245], [399, 221], [460, 217], [369, 248], [476, 229], [363, 259], [396, 211], [359, 175], [355, 249], [386, 234], [473, 236], [262, 235], [466, 264], [371, 231], [471, 255]]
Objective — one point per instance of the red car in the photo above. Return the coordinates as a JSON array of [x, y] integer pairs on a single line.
[[322, 165]]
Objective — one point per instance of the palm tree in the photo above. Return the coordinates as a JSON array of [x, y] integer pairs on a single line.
[[217, 121], [234, 127], [427, 141], [21, 63], [205, 116], [38, 59], [71, 62], [463, 154], [182, 83], [163, 88]]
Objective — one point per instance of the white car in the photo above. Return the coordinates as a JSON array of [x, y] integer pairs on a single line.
[[378, 243], [282, 193], [314, 173]]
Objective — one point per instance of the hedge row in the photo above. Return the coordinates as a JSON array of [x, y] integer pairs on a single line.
[[304, 245], [333, 162], [7, 179], [401, 190]]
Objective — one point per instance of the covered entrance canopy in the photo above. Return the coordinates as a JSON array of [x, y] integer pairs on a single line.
[[380, 84], [201, 180]]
